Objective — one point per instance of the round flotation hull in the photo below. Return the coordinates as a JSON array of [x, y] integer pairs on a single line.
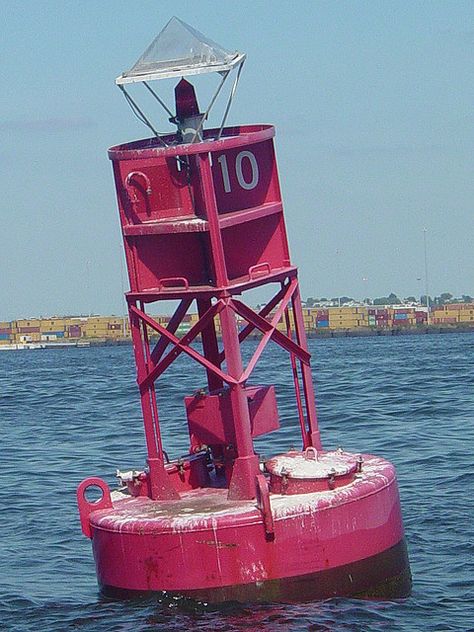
[[345, 541]]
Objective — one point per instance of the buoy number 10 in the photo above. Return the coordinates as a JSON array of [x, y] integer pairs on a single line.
[[248, 184]]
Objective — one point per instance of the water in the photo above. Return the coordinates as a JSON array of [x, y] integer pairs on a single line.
[[67, 414]]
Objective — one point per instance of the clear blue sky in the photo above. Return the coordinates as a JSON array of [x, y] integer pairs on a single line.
[[373, 103]]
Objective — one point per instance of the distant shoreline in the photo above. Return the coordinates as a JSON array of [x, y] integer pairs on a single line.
[[314, 334]]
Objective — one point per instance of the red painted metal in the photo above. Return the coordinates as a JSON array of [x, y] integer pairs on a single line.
[[203, 223], [202, 544], [210, 419]]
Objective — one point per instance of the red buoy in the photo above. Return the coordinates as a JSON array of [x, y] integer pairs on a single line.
[[202, 222]]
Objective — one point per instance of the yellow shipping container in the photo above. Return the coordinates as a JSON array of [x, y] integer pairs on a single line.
[[445, 317], [346, 319], [51, 324], [32, 322], [58, 322], [342, 310], [98, 320]]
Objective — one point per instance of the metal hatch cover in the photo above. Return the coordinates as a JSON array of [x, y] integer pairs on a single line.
[[312, 464], [311, 471]]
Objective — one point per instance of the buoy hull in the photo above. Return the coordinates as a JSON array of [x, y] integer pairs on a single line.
[[346, 541], [383, 576]]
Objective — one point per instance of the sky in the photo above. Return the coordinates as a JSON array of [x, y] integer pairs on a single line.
[[372, 102]]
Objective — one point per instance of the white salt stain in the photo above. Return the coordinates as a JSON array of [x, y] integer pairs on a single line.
[[116, 495], [199, 510], [217, 547], [253, 572], [192, 512]]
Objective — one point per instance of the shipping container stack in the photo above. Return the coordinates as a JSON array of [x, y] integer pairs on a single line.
[[401, 316], [453, 313], [104, 327], [26, 330], [466, 313], [421, 316], [377, 317], [347, 317], [74, 331], [308, 319], [322, 319], [53, 329], [5, 333]]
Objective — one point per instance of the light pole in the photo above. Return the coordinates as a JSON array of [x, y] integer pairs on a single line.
[[364, 281], [425, 230]]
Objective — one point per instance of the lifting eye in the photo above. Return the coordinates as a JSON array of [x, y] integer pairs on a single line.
[[93, 494]]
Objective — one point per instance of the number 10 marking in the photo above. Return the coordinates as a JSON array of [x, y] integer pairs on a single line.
[[248, 186]]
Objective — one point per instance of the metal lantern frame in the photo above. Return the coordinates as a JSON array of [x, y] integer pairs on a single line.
[[175, 69]]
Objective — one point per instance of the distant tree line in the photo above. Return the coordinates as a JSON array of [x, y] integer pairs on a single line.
[[392, 299]]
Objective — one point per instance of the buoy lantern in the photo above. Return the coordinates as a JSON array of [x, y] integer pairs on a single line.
[[202, 222]]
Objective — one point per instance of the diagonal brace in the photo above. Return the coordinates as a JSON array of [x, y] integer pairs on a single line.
[[247, 330], [173, 325], [182, 345], [268, 334], [264, 326]]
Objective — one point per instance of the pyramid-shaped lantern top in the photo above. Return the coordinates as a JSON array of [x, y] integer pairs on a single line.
[[180, 50]]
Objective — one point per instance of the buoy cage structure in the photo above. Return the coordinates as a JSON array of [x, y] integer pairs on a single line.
[[202, 222]]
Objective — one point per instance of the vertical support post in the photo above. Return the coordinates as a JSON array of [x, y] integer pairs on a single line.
[[296, 381], [159, 484], [209, 345], [308, 388], [210, 204], [246, 467]]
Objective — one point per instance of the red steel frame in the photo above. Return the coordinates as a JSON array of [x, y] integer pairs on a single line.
[[218, 301]]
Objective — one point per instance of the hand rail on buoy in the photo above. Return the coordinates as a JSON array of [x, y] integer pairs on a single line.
[[130, 187], [132, 184], [260, 269], [86, 507], [311, 454], [173, 283]]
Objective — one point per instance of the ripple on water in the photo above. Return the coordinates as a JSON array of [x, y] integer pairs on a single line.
[[71, 413]]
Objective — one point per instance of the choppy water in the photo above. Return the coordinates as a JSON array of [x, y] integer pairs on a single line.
[[67, 414]]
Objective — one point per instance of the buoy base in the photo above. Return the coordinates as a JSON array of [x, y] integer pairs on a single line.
[[342, 540]]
